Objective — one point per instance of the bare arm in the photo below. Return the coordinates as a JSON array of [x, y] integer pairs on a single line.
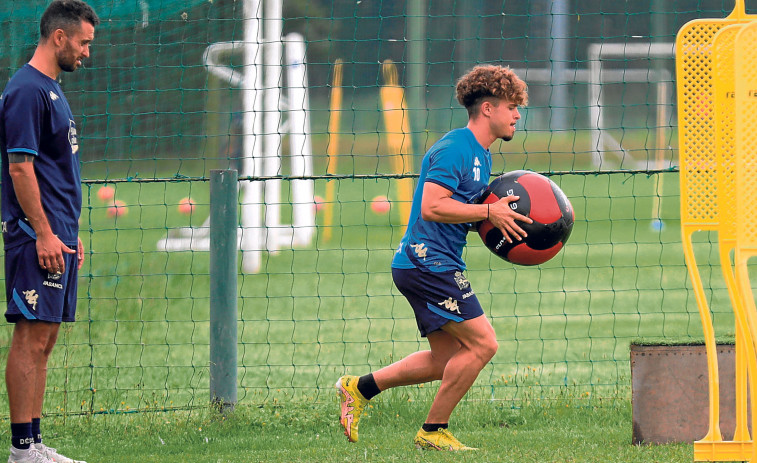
[[438, 206], [49, 248]]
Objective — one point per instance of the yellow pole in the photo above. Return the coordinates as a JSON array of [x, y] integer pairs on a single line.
[[335, 114], [662, 98], [398, 136]]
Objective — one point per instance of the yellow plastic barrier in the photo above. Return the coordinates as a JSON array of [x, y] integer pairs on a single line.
[[745, 92], [725, 149], [740, 448], [700, 200]]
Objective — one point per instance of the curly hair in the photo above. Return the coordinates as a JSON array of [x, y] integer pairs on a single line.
[[490, 82], [66, 15]]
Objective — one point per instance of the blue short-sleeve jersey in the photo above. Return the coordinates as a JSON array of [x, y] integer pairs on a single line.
[[460, 164], [35, 119]]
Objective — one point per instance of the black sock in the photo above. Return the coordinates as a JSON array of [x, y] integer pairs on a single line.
[[21, 435], [35, 431], [433, 427], [367, 386]]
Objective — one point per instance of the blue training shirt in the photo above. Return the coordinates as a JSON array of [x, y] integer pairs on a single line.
[[35, 119], [460, 164]]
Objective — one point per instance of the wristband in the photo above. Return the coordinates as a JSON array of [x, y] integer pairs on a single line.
[[487, 212]]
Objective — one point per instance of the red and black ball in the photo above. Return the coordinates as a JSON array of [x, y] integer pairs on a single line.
[[542, 201]]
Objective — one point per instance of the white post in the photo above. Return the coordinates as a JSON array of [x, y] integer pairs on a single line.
[[272, 138], [595, 108], [559, 56], [663, 92], [252, 192], [303, 206]]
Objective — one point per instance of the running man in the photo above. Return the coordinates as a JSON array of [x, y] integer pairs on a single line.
[[41, 204], [428, 267]]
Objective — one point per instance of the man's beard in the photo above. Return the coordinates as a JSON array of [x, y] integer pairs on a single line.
[[66, 61]]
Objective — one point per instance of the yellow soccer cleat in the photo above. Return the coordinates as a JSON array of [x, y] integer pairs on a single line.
[[352, 407], [438, 440]]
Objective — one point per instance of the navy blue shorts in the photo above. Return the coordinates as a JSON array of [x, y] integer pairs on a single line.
[[33, 293], [437, 297]]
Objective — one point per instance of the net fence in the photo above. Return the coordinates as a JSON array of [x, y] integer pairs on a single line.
[[163, 100]]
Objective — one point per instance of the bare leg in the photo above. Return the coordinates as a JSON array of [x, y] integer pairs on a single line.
[[458, 354], [478, 344], [52, 338], [26, 368], [419, 367]]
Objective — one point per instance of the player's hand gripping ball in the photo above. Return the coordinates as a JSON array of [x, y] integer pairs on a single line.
[[543, 202]]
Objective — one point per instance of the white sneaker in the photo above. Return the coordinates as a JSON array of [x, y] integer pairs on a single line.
[[53, 455], [32, 455]]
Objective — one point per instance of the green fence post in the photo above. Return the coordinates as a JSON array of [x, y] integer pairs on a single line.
[[223, 287]]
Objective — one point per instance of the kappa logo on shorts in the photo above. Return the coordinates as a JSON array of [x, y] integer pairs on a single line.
[[450, 304], [461, 281], [420, 250], [31, 298]]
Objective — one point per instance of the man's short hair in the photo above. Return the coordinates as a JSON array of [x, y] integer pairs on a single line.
[[490, 82], [66, 15]]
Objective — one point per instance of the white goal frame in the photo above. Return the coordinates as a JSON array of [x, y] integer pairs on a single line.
[[263, 133], [601, 141]]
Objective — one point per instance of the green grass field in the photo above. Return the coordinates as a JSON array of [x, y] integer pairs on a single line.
[[282, 433]]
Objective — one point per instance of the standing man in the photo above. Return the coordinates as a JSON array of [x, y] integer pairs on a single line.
[[428, 267], [41, 204]]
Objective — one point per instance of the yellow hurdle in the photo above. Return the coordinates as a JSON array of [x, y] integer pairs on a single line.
[[699, 186], [398, 136]]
